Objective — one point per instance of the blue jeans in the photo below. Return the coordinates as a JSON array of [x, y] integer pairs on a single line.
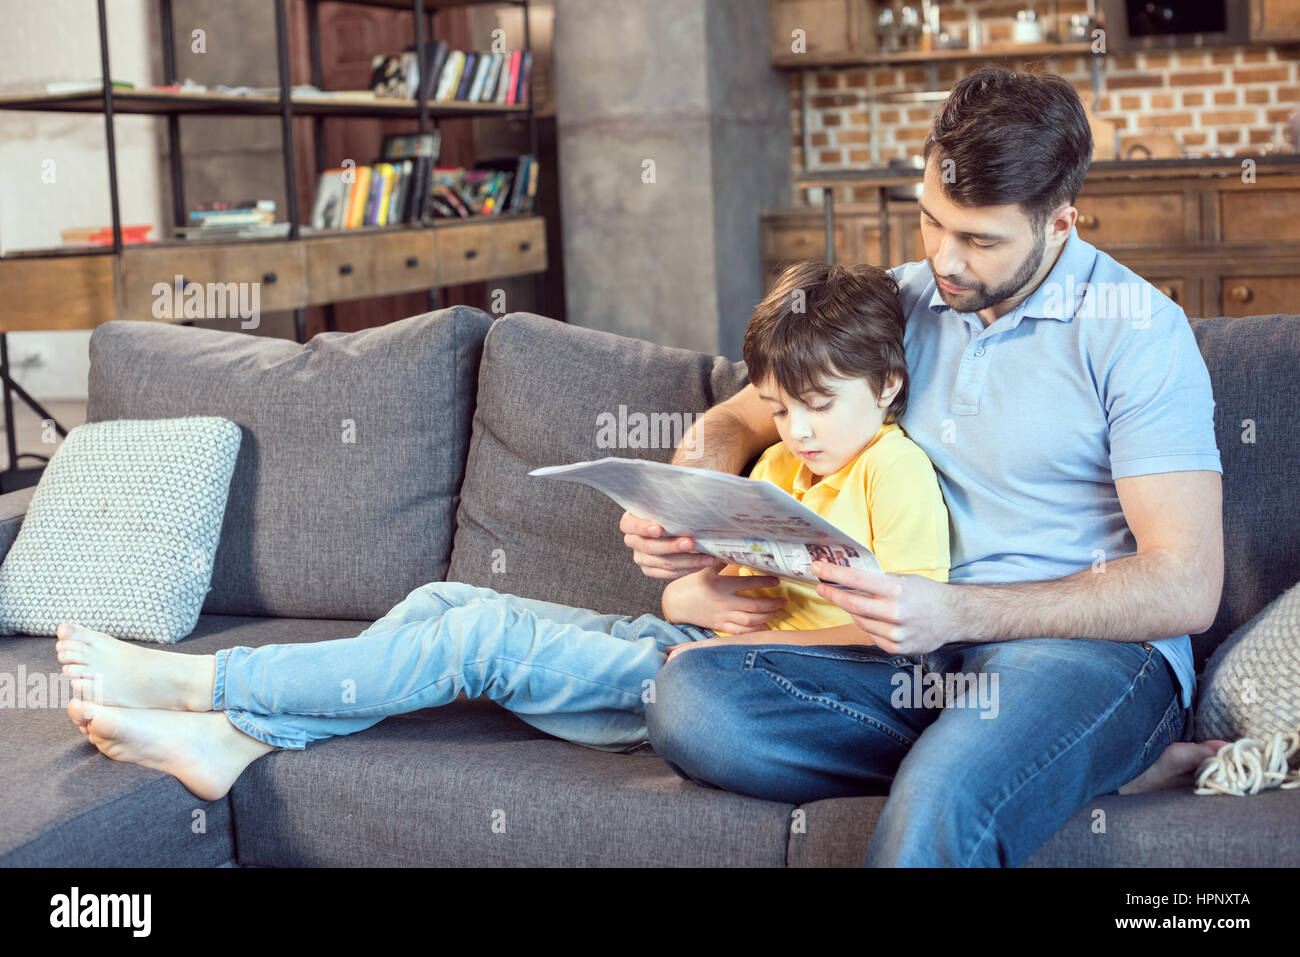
[[983, 782], [571, 672]]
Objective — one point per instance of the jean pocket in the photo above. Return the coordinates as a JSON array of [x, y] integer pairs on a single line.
[[1166, 732]]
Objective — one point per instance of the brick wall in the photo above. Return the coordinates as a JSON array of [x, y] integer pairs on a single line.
[[1221, 99]]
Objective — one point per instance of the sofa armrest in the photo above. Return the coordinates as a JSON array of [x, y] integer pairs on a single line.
[[13, 508]]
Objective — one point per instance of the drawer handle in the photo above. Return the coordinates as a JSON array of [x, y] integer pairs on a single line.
[[471, 253], [1242, 293], [1169, 292], [412, 262], [268, 277], [345, 269], [525, 246], [1087, 221]]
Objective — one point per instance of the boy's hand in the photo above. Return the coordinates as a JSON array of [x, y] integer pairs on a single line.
[[660, 557], [712, 600]]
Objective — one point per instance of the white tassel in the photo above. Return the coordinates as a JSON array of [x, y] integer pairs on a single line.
[[1248, 767]]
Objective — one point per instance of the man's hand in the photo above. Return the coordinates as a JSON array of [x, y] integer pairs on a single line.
[[903, 614], [713, 600], [660, 557]]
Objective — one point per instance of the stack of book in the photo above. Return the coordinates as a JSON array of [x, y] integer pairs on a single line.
[[392, 190], [487, 191], [233, 219], [445, 75], [103, 235]]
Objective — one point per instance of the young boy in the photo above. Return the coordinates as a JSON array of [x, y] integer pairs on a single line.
[[826, 347]]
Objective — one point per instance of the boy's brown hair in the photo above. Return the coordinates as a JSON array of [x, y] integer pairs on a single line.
[[820, 322]]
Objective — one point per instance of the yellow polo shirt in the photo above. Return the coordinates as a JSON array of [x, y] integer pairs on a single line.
[[887, 497]]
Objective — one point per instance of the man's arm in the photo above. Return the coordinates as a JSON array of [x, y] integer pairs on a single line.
[[729, 434], [1170, 587], [723, 439]]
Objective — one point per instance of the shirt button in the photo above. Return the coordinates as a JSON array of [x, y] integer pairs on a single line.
[[979, 351]]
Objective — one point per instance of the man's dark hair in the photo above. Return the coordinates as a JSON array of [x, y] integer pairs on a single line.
[[821, 322], [1013, 138]]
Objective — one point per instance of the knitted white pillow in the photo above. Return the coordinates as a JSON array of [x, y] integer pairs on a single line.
[[122, 529], [1250, 687]]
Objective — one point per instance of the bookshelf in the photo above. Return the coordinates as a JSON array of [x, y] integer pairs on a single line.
[[300, 269]]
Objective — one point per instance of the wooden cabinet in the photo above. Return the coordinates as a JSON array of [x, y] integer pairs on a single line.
[[1274, 20], [1126, 220], [790, 235], [830, 28], [1214, 243], [1257, 295]]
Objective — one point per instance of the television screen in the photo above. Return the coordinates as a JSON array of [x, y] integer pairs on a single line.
[[1159, 18]]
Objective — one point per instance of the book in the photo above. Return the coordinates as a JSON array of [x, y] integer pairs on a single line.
[[466, 77], [435, 57], [744, 521], [480, 77], [525, 71], [512, 79], [489, 91], [360, 194], [330, 209], [450, 77]]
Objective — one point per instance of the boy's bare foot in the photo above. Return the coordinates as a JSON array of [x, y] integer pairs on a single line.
[[205, 752], [1175, 768], [133, 677]]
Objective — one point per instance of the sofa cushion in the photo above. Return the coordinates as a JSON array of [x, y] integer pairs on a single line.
[[469, 784], [122, 529], [345, 488], [1251, 684], [1173, 828], [550, 394], [1252, 363], [65, 804]]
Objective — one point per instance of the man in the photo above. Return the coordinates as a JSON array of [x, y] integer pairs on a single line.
[[1069, 415]]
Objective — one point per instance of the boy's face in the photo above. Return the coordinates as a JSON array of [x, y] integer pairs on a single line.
[[835, 424], [985, 259]]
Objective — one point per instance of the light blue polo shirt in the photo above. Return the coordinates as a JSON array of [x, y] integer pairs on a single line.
[[1095, 377]]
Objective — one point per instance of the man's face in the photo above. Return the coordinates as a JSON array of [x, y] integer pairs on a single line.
[[835, 424], [980, 256]]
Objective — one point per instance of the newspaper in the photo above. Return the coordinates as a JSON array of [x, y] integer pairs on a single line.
[[745, 521]]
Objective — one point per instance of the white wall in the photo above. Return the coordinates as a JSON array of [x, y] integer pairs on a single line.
[[59, 40]]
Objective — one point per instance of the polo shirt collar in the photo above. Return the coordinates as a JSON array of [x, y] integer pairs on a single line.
[[805, 478], [1047, 301]]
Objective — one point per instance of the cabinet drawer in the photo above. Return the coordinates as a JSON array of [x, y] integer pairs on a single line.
[[520, 247], [403, 262], [796, 241], [1132, 220], [1260, 215], [340, 268], [63, 292], [466, 253], [144, 269], [277, 268], [1259, 295]]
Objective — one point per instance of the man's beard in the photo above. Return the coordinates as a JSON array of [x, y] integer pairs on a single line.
[[977, 297]]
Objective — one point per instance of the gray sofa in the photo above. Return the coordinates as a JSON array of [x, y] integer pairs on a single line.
[[376, 461]]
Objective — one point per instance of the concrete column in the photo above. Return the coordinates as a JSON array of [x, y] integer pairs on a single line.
[[674, 131]]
